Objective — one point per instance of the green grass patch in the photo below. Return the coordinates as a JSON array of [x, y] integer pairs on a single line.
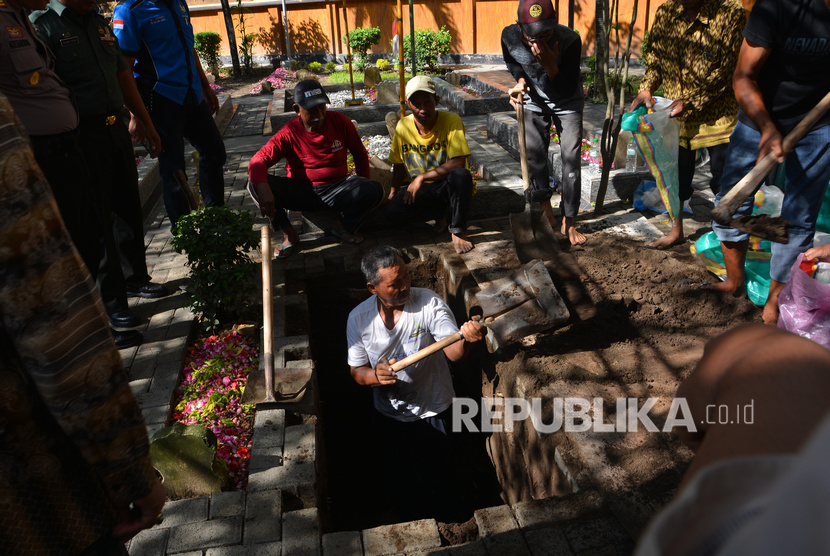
[[343, 76]]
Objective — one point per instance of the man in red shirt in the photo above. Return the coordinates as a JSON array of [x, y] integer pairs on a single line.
[[314, 146]]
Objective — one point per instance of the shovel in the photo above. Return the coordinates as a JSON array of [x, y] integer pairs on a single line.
[[521, 304], [763, 226], [267, 316], [534, 238]]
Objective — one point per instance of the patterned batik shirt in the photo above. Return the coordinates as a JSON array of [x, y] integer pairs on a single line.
[[694, 61], [73, 443]]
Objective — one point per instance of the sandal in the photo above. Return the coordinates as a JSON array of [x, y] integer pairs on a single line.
[[344, 236], [286, 250]]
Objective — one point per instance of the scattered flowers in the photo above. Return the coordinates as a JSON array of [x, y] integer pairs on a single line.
[[280, 78], [470, 91], [211, 395], [216, 88]]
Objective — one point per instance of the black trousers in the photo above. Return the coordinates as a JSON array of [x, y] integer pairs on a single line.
[[434, 200], [62, 161], [109, 150], [686, 169], [175, 122], [351, 198]]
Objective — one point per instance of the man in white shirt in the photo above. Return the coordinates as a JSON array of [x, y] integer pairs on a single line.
[[415, 403]]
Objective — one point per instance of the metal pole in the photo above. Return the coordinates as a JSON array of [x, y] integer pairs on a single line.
[[400, 58], [412, 35], [287, 41]]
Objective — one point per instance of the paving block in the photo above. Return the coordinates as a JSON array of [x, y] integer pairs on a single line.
[[499, 530], [401, 537], [205, 534], [265, 458], [301, 532], [299, 444], [263, 517], [155, 415], [269, 428], [541, 513], [548, 541], [227, 504], [344, 543], [188, 510], [283, 477], [150, 542], [268, 549], [140, 386], [475, 548]]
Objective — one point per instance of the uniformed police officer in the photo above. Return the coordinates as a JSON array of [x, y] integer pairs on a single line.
[[45, 107], [157, 40], [89, 61]]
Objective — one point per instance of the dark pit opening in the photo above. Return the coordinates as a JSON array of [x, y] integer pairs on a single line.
[[355, 494]]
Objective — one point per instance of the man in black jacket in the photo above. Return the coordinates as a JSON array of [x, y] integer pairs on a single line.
[[543, 57]]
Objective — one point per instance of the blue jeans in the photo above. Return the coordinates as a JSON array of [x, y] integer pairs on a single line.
[[175, 122], [807, 170]]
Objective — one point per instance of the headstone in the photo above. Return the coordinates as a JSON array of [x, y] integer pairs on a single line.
[[185, 456], [388, 92], [371, 77], [288, 104], [266, 87], [392, 123]]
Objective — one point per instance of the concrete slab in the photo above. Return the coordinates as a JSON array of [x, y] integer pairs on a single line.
[[401, 537], [344, 543], [301, 532]]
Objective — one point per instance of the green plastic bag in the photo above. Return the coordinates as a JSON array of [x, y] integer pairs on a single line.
[[657, 136]]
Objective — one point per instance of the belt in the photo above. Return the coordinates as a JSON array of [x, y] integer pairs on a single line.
[[99, 121]]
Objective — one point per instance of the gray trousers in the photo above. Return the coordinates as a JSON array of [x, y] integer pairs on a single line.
[[537, 133]]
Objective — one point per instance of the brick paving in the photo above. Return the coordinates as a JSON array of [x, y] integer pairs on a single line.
[[284, 467]]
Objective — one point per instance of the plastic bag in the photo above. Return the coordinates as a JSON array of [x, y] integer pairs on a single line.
[[804, 305], [647, 197], [707, 247], [768, 200], [657, 136]]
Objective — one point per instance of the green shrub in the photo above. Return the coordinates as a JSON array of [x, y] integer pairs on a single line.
[[330, 66], [222, 281], [360, 41], [644, 45], [429, 46], [382, 64], [315, 67], [207, 45]]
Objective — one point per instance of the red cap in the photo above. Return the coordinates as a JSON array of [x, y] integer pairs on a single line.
[[536, 16]]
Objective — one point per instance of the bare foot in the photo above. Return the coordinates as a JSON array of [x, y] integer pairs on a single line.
[[570, 232], [674, 238], [735, 287], [461, 244], [770, 313]]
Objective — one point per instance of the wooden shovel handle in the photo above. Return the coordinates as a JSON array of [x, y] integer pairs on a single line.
[[427, 351], [730, 202], [267, 315], [520, 116]]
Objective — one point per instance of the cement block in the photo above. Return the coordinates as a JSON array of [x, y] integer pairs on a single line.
[[150, 542], [597, 533], [205, 534], [265, 458], [401, 537], [542, 513], [227, 504], [301, 532], [548, 541], [282, 477], [475, 548], [299, 444], [499, 531], [188, 510], [345, 543], [267, 549], [263, 517], [269, 428]]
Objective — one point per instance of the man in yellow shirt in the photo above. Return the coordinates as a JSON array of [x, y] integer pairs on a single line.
[[693, 53], [430, 149]]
